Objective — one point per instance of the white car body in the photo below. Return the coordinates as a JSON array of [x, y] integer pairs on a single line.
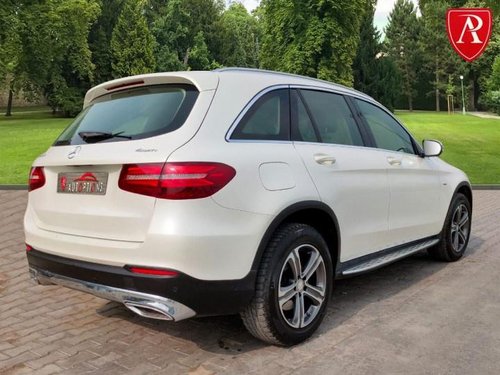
[[379, 198]]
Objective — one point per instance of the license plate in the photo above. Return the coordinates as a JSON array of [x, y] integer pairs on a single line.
[[93, 183]]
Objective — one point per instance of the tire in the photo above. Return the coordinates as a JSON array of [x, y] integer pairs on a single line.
[[454, 236], [286, 282]]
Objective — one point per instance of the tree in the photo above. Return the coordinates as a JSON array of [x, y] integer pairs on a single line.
[[132, 44], [238, 38], [374, 70], [177, 29], [439, 56], [100, 39], [55, 57], [316, 38], [10, 48], [402, 39]]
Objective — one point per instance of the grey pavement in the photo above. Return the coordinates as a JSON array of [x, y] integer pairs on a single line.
[[416, 316]]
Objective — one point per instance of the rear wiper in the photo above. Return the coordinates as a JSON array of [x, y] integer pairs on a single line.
[[93, 137]]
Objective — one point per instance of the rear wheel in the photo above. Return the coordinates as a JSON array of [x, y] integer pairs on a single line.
[[456, 231], [293, 287]]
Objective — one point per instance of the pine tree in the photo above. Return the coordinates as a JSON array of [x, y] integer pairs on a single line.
[[132, 43], [374, 71], [402, 39]]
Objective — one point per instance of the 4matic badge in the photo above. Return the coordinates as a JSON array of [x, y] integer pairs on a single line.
[[469, 30]]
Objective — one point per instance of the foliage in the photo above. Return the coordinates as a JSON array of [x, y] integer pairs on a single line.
[[492, 96], [100, 39], [55, 52], [181, 27], [374, 70], [440, 59], [238, 38], [132, 43], [402, 40], [316, 38]]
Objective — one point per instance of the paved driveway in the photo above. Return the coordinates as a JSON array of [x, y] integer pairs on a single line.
[[414, 317]]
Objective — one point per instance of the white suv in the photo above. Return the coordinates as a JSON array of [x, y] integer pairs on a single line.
[[236, 191]]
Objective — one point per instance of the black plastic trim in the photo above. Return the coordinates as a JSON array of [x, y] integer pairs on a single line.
[[283, 216], [204, 297], [468, 186]]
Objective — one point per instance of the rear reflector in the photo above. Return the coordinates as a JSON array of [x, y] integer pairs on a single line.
[[28, 248], [152, 271], [36, 179], [189, 180]]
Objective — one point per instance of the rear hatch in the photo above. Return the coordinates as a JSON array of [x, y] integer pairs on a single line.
[[140, 122]]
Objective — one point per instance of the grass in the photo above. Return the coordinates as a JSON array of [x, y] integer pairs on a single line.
[[471, 143], [23, 137]]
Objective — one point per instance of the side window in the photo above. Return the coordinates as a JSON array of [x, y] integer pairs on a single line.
[[302, 126], [332, 117], [388, 134], [267, 119]]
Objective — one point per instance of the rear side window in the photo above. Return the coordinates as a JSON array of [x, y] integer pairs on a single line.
[[131, 114], [267, 119], [332, 118]]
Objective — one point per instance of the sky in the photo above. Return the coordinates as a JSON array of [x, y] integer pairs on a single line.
[[382, 11]]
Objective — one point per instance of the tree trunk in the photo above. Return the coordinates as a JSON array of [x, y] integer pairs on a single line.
[[9, 103], [409, 88], [437, 84], [186, 57]]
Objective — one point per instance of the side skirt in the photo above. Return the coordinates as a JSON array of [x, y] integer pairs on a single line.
[[384, 257]]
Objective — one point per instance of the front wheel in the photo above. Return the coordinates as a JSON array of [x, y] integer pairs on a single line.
[[293, 287], [456, 231]]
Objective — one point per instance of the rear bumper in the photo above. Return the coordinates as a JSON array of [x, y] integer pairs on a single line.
[[169, 298]]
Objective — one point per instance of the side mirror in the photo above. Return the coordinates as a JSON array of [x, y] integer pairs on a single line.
[[432, 148]]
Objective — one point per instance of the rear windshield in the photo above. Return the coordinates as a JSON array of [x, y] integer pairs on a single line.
[[131, 114]]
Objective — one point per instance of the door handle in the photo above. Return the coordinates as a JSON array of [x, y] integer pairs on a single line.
[[324, 159], [393, 161]]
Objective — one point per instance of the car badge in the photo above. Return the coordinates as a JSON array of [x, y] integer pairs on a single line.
[[75, 152]]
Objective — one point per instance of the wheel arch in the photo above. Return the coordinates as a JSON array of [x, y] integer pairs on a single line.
[[314, 213], [464, 188]]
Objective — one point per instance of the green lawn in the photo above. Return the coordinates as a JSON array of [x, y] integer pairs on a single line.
[[471, 143], [23, 137]]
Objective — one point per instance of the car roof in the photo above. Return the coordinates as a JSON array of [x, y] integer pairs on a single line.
[[291, 79], [209, 80]]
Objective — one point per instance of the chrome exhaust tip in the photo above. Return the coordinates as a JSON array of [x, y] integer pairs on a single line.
[[149, 309]]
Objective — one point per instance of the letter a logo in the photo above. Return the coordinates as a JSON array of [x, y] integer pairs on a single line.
[[469, 30]]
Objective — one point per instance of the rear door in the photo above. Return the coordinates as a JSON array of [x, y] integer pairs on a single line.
[[414, 181], [81, 195], [350, 178]]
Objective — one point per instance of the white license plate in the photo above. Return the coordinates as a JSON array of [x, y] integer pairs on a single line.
[[93, 183]]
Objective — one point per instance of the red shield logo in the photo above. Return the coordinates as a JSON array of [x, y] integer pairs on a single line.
[[469, 30]]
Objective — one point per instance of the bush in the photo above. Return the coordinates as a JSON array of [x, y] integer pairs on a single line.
[[492, 101]]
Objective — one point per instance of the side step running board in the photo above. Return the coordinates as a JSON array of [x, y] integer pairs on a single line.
[[387, 257]]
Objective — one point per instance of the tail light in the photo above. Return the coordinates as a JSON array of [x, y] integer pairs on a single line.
[[189, 180], [152, 271], [37, 178], [28, 248]]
